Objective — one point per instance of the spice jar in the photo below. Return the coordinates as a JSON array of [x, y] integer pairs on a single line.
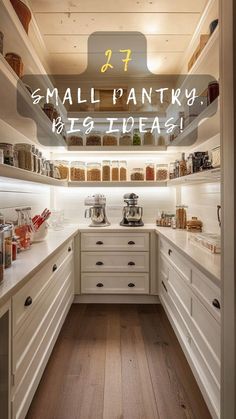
[[150, 171], [77, 171], [148, 138], [172, 170], [1, 42], [106, 170], [115, 171], [62, 166], [212, 92], [136, 137], [75, 140], [137, 174], [94, 172], [8, 152], [25, 156], [181, 217], [126, 140], [15, 61], [109, 140], [94, 139], [123, 170], [182, 166], [161, 172]]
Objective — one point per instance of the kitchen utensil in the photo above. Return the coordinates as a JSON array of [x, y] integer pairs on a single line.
[[97, 210], [132, 213]]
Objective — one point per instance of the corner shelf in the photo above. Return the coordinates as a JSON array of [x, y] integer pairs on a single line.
[[207, 176], [11, 172]]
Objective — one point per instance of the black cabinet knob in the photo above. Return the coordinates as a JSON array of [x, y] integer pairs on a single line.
[[99, 263], [54, 268], [169, 252], [99, 285], [216, 303], [28, 301], [131, 285], [131, 242], [164, 286], [131, 264], [99, 242], [69, 249]]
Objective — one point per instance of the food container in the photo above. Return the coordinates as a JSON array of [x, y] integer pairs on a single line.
[[150, 171], [109, 140], [126, 140], [161, 141], [35, 159], [1, 42], [115, 171], [137, 137], [215, 157], [41, 234], [77, 171], [182, 166], [1, 255], [75, 140], [172, 170], [8, 152], [48, 109], [137, 174], [148, 138], [23, 13], [106, 170], [123, 170], [25, 156], [208, 241], [94, 139], [194, 225], [16, 63], [63, 168], [189, 164], [161, 172], [1, 156], [93, 172], [8, 233], [213, 91], [181, 217]]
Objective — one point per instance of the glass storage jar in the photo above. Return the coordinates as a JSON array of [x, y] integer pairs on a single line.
[[172, 170], [137, 174], [136, 137], [123, 170], [25, 156], [149, 171], [126, 140], [182, 166], [16, 63], [109, 140], [63, 168], [94, 139], [215, 157], [115, 171], [77, 171], [93, 172], [75, 140], [106, 170], [148, 138], [161, 172], [8, 153]]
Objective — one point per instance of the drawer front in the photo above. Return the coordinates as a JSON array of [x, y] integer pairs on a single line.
[[36, 286], [25, 392], [29, 336], [138, 242], [115, 262], [180, 292], [164, 266], [176, 259], [115, 283], [208, 292]]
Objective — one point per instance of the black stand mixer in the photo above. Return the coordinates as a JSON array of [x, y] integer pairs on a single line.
[[132, 213]]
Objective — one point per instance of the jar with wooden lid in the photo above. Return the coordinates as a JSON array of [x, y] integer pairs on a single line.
[[77, 171], [16, 63], [94, 172], [106, 170], [115, 171], [123, 170], [150, 171], [161, 172]]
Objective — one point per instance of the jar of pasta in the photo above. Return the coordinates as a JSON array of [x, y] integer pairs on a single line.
[[106, 170], [115, 171], [123, 170], [77, 171], [94, 172]]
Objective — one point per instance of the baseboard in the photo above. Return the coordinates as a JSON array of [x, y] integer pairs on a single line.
[[117, 299]]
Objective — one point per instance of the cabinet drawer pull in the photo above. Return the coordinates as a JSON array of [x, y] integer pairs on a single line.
[[99, 242], [163, 284], [99, 285], [28, 301], [69, 249], [216, 303], [131, 264], [169, 252], [99, 263], [54, 268], [131, 285], [131, 242]]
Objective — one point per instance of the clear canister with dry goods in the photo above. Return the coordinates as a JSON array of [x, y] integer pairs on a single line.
[[77, 171]]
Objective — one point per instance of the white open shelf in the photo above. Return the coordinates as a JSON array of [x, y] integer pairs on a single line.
[[117, 184], [116, 149], [11, 172], [207, 176]]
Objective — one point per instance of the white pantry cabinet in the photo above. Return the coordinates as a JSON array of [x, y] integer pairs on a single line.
[[5, 359], [192, 303], [38, 312]]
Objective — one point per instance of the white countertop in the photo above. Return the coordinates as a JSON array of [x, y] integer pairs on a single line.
[[207, 262], [31, 260]]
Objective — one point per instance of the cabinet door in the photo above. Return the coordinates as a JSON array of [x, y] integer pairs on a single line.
[[114, 283], [115, 262], [138, 242]]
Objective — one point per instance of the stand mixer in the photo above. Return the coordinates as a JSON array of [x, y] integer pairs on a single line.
[[132, 214], [97, 210]]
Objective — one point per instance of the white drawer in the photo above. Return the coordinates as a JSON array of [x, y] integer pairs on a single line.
[[36, 286], [115, 283], [29, 336], [180, 292], [164, 266], [115, 241], [179, 262], [25, 392], [115, 262], [207, 291]]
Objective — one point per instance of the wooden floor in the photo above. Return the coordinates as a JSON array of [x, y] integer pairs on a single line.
[[117, 362]]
